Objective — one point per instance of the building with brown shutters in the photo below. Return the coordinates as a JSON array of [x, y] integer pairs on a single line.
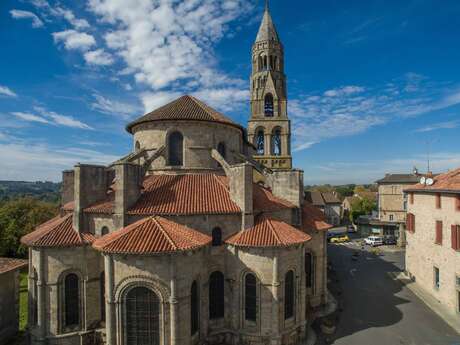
[[433, 239], [190, 239]]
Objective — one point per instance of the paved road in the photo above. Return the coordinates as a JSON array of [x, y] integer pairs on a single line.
[[376, 310]]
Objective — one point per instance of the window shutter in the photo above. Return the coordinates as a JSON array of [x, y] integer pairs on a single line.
[[408, 222], [438, 200], [438, 239], [458, 202], [454, 237], [411, 198], [413, 222]]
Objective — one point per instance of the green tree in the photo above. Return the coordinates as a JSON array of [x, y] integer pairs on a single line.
[[18, 218], [361, 206]]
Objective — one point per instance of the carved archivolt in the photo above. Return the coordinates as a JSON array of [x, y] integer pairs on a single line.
[[126, 284]]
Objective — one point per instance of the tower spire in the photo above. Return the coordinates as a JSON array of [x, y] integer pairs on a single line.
[[267, 5]]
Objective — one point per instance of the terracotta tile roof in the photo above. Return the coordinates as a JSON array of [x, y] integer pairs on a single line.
[[11, 264], [185, 108], [265, 201], [57, 232], [313, 218], [448, 182], [152, 235], [102, 207], [184, 195], [268, 232], [70, 206]]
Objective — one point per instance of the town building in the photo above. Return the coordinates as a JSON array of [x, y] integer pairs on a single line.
[[433, 239], [392, 207], [329, 203], [9, 297], [193, 238]]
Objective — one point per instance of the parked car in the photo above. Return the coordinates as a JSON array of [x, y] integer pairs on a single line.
[[340, 239], [390, 240], [374, 241]]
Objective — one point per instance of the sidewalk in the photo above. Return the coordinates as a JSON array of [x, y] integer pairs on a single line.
[[428, 299]]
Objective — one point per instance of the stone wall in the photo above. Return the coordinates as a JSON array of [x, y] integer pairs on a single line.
[[391, 202], [9, 305], [199, 139], [422, 254]]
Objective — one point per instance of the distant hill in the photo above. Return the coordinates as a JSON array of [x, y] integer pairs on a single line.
[[46, 191]]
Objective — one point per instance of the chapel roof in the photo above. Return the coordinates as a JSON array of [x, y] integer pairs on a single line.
[[11, 264], [57, 232], [399, 178], [152, 235], [447, 182], [268, 232], [185, 108]]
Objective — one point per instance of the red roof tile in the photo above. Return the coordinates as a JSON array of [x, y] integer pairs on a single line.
[[10, 264], [449, 182], [70, 206], [265, 201], [152, 235], [268, 232], [102, 207], [313, 218], [57, 232], [184, 195], [185, 108]]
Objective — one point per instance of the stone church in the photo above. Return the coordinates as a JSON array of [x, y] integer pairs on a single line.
[[201, 235]]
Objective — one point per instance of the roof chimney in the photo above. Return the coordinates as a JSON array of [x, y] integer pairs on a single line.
[[241, 191]]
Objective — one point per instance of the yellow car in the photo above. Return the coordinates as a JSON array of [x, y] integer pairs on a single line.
[[340, 239]]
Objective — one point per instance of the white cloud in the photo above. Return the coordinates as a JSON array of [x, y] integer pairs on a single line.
[[114, 108], [48, 161], [6, 91], [62, 120], [351, 110], [19, 14], [73, 39], [29, 117], [98, 57], [60, 12], [440, 125], [226, 99], [168, 45], [154, 100]]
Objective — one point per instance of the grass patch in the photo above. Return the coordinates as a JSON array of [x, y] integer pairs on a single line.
[[23, 300]]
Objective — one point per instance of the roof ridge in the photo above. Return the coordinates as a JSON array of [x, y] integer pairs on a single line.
[[272, 228], [173, 244]]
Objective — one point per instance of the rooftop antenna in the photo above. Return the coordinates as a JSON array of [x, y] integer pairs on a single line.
[[429, 143]]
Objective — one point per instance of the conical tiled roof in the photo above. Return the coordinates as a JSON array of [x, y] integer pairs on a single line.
[[185, 108], [267, 30], [57, 232], [268, 232], [152, 235]]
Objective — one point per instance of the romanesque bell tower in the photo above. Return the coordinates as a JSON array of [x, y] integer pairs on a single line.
[[269, 128]]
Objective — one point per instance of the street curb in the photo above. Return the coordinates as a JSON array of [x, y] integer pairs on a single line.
[[430, 301]]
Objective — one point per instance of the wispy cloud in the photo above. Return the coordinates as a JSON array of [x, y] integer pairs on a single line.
[[440, 125], [50, 118], [6, 91], [350, 110], [20, 14], [113, 107], [59, 11]]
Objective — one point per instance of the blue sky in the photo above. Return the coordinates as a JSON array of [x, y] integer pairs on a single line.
[[373, 85]]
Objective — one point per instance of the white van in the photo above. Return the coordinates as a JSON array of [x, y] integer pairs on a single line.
[[374, 241]]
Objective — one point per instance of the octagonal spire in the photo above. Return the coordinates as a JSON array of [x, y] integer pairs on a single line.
[[267, 30]]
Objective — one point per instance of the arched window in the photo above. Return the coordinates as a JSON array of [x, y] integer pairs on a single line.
[[216, 237], [102, 294], [309, 270], [260, 63], [222, 150], [71, 300], [194, 309], [276, 143], [104, 230], [176, 149], [275, 63], [250, 297], [260, 142], [268, 105], [289, 295], [265, 62], [216, 295], [271, 62], [138, 146], [142, 317]]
